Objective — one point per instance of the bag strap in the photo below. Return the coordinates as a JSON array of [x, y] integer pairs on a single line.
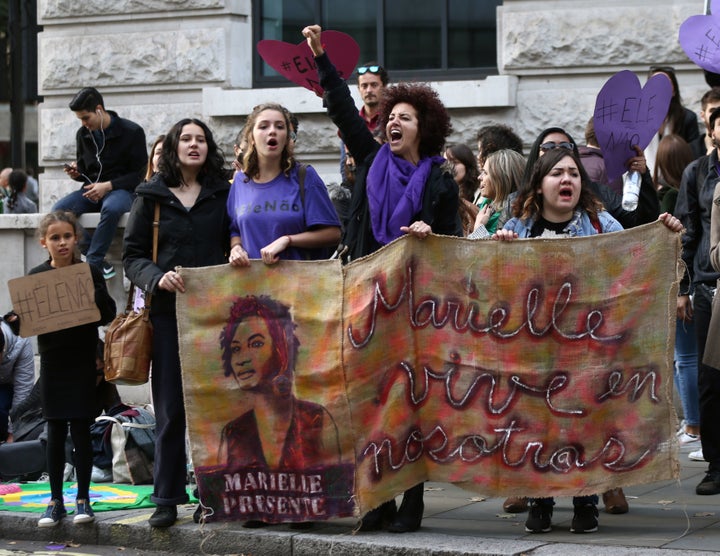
[[124, 424], [148, 295]]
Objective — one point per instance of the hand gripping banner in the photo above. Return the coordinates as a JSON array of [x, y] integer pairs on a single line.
[[533, 367]]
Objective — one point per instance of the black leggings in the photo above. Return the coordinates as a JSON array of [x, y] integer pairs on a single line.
[[80, 434]]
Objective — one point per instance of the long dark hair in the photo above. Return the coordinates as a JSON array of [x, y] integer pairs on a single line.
[[169, 164], [530, 203], [464, 155], [676, 110]]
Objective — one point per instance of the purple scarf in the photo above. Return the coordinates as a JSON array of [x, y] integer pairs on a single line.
[[395, 190]]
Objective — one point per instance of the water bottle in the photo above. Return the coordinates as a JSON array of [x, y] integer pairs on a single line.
[[631, 190]]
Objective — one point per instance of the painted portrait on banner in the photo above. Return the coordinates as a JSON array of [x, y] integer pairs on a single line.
[[265, 396], [531, 368]]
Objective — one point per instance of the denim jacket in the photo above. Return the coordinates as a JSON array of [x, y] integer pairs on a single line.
[[579, 226]]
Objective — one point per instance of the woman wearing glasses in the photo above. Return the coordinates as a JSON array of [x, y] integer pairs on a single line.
[[400, 188], [558, 202], [648, 207]]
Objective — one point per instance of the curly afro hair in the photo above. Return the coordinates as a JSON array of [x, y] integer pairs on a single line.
[[433, 119]]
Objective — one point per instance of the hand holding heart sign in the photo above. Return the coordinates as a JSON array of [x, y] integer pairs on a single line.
[[700, 38], [297, 63], [627, 115]]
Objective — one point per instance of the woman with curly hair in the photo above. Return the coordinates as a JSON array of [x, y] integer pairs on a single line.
[[278, 208], [401, 187], [191, 190]]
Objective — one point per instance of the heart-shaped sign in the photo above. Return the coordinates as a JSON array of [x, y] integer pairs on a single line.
[[297, 63], [627, 114], [700, 38]]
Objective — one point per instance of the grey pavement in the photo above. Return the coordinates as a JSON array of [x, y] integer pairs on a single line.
[[665, 518]]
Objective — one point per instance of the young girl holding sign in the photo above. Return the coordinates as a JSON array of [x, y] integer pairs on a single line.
[[68, 374], [558, 202]]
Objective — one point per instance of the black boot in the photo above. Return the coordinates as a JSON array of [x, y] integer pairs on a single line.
[[409, 516], [379, 518], [164, 516]]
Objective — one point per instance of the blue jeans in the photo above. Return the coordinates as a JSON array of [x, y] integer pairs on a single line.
[[111, 207], [686, 370]]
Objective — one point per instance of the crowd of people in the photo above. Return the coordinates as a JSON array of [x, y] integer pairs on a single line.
[[398, 176]]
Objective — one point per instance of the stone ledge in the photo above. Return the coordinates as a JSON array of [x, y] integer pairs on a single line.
[[31, 221]]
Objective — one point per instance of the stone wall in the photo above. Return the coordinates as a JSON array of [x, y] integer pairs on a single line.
[[158, 61]]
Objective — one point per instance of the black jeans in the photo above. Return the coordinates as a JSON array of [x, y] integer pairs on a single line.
[[170, 467], [708, 381]]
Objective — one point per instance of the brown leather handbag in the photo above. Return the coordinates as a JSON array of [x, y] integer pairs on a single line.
[[128, 339]]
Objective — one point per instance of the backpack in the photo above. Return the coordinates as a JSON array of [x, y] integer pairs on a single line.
[[124, 441]]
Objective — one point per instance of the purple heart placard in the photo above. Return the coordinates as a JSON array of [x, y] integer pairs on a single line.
[[627, 114], [699, 37], [297, 63]]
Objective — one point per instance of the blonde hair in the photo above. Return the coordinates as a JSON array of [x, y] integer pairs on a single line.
[[506, 170], [250, 162]]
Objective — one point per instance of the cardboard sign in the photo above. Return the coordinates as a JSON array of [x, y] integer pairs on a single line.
[[627, 114], [54, 300], [297, 63], [699, 37]]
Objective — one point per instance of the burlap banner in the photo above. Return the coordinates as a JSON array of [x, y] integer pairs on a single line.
[[538, 368]]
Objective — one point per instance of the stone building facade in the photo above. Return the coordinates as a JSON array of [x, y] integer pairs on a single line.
[[157, 61]]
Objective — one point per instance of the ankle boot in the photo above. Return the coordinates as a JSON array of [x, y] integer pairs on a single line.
[[409, 516], [379, 518]]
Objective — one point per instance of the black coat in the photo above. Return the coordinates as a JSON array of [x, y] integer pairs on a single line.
[[190, 238], [122, 159], [441, 199], [67, 359]]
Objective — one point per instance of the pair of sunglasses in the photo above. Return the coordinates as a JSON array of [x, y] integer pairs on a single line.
[[364, 69], [550, 145]]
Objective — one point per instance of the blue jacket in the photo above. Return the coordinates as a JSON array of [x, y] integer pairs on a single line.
[[17, 365], [579, 226]]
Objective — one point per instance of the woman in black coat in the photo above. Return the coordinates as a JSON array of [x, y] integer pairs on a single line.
[[192, 191], [400, 187]]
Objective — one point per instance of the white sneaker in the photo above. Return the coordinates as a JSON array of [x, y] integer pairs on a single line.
[[685, 438], [697, 455]]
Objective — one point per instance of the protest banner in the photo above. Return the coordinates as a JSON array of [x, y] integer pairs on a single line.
[[54, 300], [536, 367]]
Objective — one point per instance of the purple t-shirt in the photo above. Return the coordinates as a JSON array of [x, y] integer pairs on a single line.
[[262, 212]]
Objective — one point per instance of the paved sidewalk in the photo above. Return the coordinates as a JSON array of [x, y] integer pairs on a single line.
[[665, 518]]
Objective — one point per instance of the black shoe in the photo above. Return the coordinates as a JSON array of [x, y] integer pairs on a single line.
[[710, 484], [302, 525], [108, 270], [379, 518], [254, 524], [164, 516], [585, 519], [539, 518], [409, 516]]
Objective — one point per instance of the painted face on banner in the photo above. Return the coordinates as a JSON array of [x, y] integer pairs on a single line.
[[252, 357]]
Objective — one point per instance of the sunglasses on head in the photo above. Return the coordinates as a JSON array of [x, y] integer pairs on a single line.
[[364, 69], [550, 145]]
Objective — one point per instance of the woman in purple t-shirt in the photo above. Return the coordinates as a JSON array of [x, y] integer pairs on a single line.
[[275, 213]]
